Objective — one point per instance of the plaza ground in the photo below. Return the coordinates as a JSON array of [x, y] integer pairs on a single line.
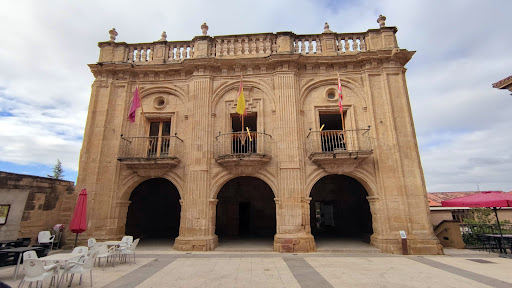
[[237, 265]]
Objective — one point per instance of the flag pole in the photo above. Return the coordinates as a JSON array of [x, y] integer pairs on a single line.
[[142, 111], [243, 115], [341, 107]]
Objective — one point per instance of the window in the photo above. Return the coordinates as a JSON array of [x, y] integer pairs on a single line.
[[332, 136], [460, 215], [159, 138], [242, 143]]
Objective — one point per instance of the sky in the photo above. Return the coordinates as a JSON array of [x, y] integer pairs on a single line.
[[463, 125]]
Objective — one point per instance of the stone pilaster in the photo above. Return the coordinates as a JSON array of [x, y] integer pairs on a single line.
[[291, 228], [195, 227]]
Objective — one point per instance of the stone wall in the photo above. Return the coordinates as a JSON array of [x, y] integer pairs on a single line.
[[37, 204]]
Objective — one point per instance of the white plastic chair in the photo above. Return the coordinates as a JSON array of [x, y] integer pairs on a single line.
[[91, 242], [29, 255], [74, 267], [45, 237], [80, 250], [105, 252], [127, 241], [130, 250], [35, 271]]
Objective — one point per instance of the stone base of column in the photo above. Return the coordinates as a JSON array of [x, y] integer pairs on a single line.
[[293, 243], [196, 243], [415, 246]]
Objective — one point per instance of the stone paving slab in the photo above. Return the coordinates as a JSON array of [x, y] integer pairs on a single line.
[[317, 270], [498, 268], [385, 272], [223, 272]]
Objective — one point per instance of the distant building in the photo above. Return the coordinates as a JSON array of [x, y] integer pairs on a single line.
[[188, 169], [34, 204], [438, 213], [504, 84]]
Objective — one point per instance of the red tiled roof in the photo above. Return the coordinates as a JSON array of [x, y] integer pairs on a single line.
[[435, 198]]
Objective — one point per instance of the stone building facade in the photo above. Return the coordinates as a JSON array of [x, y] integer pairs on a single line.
[[36, 204], [186, 169]]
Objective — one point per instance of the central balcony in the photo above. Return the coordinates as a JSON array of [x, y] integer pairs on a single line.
[[339, 151], [243, 153], [150, 156]]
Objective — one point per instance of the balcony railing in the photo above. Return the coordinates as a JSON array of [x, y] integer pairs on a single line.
[[248, 46], [339, 141], [152, 147], [243, 143]]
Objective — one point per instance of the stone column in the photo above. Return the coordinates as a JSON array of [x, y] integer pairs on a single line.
[[97, 164], [291, 229], [119, 222], [195, 227], [402, 203]]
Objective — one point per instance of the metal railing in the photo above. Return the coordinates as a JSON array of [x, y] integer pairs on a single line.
[[240, 143], [150, 147], [335, 141], [471, 232]]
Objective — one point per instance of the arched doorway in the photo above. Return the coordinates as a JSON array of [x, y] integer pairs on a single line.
[[246, 214], [154, 211], [340, 213]]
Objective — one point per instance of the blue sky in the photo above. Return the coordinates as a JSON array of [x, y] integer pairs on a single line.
[[462, 47]]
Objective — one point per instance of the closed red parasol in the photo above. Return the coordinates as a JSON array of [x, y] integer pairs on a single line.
[[491, 199], [79, 220]]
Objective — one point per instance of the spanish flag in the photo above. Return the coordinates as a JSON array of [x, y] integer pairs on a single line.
[[240, 105]]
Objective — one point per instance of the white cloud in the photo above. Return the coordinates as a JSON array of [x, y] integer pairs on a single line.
[[462, 48]]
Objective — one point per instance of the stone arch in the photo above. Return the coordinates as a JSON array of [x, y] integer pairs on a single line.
[[134, 180], [340, 207], [352, 85], [234, 85], [245, 206], [361, 176], [173, 90], [225, 177], [122, 198]]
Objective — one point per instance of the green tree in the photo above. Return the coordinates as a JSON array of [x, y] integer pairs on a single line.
[[481, 216], [58, 172]]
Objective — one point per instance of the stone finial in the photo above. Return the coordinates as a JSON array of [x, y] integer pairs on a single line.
[[164, 36], [113, 34], [326, 28], [204, 28], [381, 20]]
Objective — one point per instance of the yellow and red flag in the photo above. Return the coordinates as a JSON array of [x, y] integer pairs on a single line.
[[240, 104]]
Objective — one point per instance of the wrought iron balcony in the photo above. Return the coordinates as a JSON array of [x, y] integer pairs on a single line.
[[150, 156], [339, 151], [243, 153]]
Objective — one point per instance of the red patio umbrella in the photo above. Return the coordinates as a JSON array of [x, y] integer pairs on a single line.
[[491, 199], [79, 220]]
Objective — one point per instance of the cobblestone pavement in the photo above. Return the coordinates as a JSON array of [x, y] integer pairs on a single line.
[[225, 269]]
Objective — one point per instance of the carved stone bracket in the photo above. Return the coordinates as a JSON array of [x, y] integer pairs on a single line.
[[151, 167], [341, 162], [243, 164]]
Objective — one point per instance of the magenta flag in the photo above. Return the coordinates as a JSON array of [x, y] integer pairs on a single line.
[[135, 105]]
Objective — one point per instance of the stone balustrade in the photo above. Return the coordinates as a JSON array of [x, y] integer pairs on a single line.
[[249, 46], [244, 45]]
